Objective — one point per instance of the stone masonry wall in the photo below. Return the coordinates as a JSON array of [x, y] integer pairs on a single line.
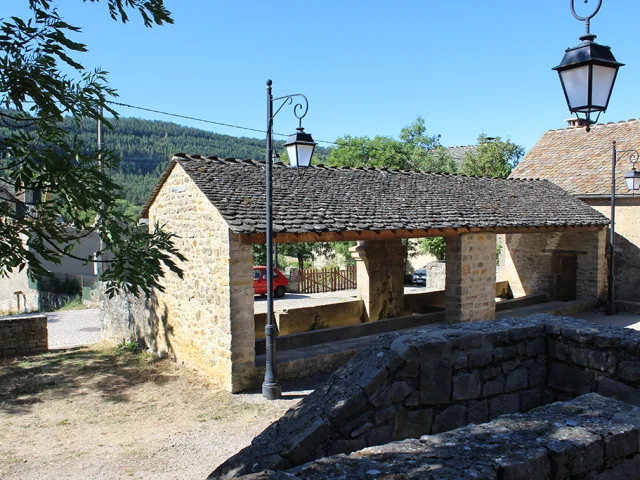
[[589, 437], [470, 277], [21, 336], [529, 262], [439, 378], [205, 319]]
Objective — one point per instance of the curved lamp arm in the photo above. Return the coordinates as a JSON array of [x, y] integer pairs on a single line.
[[299, 109], [588, 18]]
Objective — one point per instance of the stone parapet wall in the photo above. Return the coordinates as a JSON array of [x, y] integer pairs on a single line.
[[588, 437], [439, 378], [21, 336]]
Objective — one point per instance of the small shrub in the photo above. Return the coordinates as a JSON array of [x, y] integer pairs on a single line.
[[128, 347]]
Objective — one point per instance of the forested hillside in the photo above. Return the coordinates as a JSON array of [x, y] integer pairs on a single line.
[[145, 147]]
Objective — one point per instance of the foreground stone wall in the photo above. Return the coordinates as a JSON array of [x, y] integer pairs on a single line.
[[529, 264], [439, 378], [204, 320], [589, 437], [21, 336]]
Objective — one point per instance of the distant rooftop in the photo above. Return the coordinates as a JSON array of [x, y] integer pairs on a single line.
[[457, 153]]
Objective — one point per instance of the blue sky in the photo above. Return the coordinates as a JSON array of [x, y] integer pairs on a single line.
[[368, 68]]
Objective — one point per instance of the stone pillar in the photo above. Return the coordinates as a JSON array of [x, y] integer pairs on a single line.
[[471, 277], [243, 352], [380, 274]]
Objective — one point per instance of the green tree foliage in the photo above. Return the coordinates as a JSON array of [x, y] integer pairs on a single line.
[[414, 150], [493, 158], [436, 246], [41, 83]]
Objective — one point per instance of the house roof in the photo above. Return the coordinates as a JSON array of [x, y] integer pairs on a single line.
[[320, 199], [457, 153], [580, 161]]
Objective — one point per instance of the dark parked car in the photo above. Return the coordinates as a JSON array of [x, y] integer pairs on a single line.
[[420, 277]]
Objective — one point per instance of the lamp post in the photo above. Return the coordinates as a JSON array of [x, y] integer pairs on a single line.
[[587, 73], [632, 179], [300, 147]]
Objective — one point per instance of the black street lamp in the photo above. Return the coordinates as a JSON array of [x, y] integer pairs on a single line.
[[632, 179], [587, 73], [300, 148]]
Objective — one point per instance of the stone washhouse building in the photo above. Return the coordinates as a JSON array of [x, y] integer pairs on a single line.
[[580, 163], [216, 207]]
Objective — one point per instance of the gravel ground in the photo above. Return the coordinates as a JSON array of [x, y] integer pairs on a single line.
[[73, 328], [97, 412]]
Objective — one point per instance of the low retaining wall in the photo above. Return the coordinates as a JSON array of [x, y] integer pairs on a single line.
[[21, 336], [436, 379], [589, 437], [316, 317]]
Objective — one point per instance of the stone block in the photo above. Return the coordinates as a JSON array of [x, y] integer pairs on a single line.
[[481, 356], [380, 435], [384, 415], [500, 354], [516, 380], [535, 347], [622, 444], [577, 453], [618, 390], [625, 470], [557, 349], [347, 446], [478, 411], [492, 372], [459, 359], [413, 400], [570, 379], [587, 357], [394, 393], [503, 404], [629, 371], [412, 423], [511, 365], [450, 418], [530, 399], [466, 386], [410, 370], [493, 387], [435, 382]]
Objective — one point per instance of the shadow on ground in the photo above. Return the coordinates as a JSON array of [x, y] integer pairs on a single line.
[[110, 372]]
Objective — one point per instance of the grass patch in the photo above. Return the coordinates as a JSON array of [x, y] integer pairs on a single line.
[[75, 304]]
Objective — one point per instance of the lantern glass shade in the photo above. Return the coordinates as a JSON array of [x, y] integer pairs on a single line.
[[588, 73], [633, 180], [300, 147]]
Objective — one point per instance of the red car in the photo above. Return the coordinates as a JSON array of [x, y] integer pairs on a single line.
[[260, 282]]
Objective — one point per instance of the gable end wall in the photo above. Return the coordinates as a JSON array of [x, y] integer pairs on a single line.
[[205, 319]]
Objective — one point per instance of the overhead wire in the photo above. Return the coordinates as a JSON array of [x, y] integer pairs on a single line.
[[187, 117]]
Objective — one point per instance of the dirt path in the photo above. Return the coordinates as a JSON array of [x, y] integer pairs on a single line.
[[100, 413]]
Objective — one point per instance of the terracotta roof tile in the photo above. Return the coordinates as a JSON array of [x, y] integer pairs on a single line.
[[580, 161]]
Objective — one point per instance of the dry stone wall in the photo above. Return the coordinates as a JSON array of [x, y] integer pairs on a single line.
[[21, 336], [440, 378], [589, 437]]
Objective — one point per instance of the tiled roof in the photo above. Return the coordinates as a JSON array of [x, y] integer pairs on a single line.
[[580, 161], [457, 153], [320, 199]]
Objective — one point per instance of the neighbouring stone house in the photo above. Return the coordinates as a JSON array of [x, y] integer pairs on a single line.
[[21, 294], [216, 207], [580, 163]]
